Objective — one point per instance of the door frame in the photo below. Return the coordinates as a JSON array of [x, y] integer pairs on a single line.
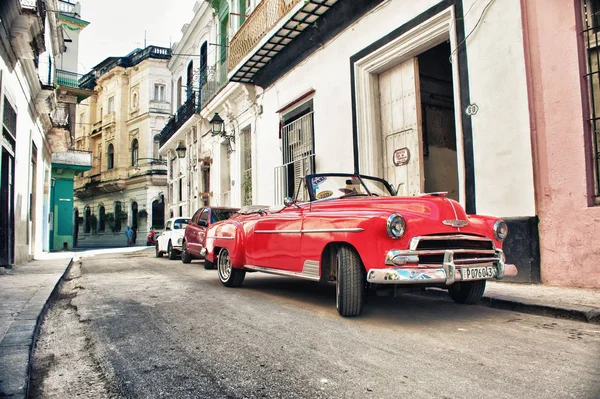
[[369, 63]]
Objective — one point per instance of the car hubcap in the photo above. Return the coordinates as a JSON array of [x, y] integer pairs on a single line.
[[224, 266]]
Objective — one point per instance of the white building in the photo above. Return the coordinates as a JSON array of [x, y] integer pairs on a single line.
[[209, 173], [32, 41], [421, 93]]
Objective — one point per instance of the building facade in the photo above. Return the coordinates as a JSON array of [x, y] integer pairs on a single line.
[[119, 125], [32, 38], [209, 173], [462, 96]]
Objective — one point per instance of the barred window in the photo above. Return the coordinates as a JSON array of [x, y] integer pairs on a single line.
[[591, 25]]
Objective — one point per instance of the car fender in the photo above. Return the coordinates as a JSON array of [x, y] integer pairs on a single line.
[[227, 234]]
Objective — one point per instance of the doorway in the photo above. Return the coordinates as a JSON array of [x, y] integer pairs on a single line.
[[418, 134], [7, 216]]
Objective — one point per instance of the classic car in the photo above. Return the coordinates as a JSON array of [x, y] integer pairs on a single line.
[[170, 240], [195, 232], [356, 232]]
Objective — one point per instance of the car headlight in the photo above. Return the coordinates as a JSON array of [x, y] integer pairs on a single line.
[[396, 226], [500, 229], [179, 241]]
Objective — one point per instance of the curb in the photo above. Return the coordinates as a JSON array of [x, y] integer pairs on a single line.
[[41, 316], [592, 316]]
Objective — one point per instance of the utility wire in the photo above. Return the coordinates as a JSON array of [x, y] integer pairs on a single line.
[[487, 6]]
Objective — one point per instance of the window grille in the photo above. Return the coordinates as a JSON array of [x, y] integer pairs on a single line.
[[298, 158], [591, 16], [247, 168]]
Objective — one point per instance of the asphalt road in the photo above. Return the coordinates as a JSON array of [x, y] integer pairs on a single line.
[[131, 325]]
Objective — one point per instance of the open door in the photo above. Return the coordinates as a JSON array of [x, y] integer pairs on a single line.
[[401, 136]]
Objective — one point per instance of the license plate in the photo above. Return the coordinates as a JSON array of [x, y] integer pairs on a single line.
[[478, 273]]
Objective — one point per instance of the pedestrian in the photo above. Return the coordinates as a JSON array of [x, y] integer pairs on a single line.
[[134, 234], [129, 235]]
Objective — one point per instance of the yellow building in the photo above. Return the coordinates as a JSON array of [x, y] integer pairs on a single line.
[[119, 124]]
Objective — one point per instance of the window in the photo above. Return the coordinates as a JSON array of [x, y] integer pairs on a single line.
[[190, 79], [118, 216], [134, 152], [101, 218], [134, 216], [159, 93], [111, 105], [156, 147], [87, 219], [9, 121], [179, 86], [158, 214], [591, 14], [298, 152], [204, 216], [180, 224], [247, 167], [110, 156]]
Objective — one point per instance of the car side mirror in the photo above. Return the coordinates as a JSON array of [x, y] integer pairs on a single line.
[[288, 201], [202, 223]]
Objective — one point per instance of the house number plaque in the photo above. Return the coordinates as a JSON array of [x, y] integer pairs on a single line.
[[401, 156]]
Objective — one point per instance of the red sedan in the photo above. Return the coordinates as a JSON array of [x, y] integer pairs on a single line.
[[195, 232], [355, 232]]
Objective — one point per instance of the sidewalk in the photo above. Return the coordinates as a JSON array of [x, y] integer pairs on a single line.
[[24, 293], [572, 303]]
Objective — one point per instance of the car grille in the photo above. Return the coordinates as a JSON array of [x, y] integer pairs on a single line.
[[467, 250]]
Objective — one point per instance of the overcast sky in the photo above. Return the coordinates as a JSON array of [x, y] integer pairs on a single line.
[[117, 26]]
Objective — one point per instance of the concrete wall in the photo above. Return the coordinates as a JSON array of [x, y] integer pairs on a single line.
[[569, 226]]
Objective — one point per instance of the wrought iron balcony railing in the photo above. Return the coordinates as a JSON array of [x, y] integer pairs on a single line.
[[88, 81], [266, 15], [67, 78], [184, 113]]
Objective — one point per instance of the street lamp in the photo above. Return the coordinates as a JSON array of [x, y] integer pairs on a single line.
[[217, 128], [216, 125], [180, 150]]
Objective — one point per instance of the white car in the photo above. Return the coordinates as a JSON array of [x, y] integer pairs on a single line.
[[169, 241]]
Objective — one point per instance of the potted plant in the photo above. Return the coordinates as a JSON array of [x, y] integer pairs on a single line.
[[143, 214]]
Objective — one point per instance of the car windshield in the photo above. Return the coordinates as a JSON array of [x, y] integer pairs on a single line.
[[222, 214], [180, 224], [340, 186]]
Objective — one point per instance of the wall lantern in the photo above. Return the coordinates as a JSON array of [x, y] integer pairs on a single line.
[[217, 128], [180, 150]]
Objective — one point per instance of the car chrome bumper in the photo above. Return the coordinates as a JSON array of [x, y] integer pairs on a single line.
[[403, 268]]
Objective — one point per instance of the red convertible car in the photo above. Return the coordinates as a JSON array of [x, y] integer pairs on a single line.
[[355, 232]]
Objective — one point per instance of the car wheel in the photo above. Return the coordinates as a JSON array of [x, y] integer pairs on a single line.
[[350, 283], [208, 265], [185, 255], [229, 276], [158, 253], [171, 252], [467, 292]]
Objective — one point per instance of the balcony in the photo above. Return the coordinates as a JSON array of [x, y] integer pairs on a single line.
[[184, 113], [68, 8], [148, 166], [272, 26], [73, 159]]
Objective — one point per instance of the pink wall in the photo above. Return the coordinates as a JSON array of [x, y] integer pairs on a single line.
[[569, 227]]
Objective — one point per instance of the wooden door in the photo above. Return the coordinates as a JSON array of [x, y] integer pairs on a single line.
[[401, 136]]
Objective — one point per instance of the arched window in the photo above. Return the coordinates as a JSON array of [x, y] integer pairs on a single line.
[[118, 211], [134, 152], [110, 159], [134, 215], [86, 219], [190, 79], [158, 214], [101, 218]]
